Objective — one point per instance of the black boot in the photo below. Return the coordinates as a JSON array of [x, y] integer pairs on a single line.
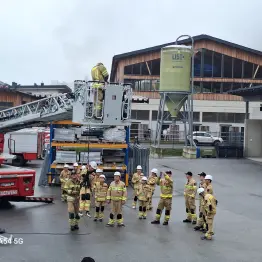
[[156, 222], [95, 219], [165, 223], [2, 231], [187, 221], [194, 222], [197, 228], [72, 228], [76, 227]]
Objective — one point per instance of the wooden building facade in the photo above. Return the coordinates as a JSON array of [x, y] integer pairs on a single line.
[[10, 98], [220, 66]]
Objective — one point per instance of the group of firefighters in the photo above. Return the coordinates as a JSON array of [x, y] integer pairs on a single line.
[[86, 184]]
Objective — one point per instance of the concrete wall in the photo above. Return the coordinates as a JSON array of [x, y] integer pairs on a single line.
[[253, 138]]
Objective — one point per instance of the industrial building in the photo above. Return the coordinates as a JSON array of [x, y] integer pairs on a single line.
[[10, 98], [220, 67]]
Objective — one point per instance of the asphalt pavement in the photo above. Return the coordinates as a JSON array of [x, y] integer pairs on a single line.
[[238, 223]]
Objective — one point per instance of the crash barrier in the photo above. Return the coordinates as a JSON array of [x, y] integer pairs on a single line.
[[191, 152], [230, 151], [138, 155], [43, 179]]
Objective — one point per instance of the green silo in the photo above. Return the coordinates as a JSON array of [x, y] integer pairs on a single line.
[[175, 73]]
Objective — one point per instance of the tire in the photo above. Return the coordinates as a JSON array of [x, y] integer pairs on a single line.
[[216, 143], [18, 161], [196, 142]]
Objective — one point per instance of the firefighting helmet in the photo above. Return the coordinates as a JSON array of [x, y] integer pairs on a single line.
[[117, 174], [83, 167], [139, 167], [102, 176], [144, 178], [208, 177], [66, 166], [200, 190], [154, 170], [75, 165], [93, 164], [99, 171]]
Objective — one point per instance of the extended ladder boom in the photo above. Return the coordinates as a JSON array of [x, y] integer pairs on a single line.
[[56, 107]]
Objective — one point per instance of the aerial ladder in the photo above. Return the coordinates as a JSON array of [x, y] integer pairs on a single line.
[[80, 107]]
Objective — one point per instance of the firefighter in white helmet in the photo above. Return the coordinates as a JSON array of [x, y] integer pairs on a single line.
[[144, 193], [64, 176], [100, 191], [85, 193], [116, 196], [210, 204], [152, 180], [76, 169], [136, 180]]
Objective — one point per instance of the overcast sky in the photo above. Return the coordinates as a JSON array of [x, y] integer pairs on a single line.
[[45, 40]]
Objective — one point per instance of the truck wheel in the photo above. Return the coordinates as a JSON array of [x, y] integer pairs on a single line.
[[18, 161]]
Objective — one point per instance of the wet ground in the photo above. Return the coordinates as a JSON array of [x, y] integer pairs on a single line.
[[238, 224]]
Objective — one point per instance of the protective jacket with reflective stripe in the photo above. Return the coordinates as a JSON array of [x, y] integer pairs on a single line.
[[117, 191], [100, 191], [210, 204], [166, 187], [99, 73], [72, 187], [190, 188]]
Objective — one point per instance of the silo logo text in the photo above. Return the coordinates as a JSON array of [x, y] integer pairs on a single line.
[[178, 57]]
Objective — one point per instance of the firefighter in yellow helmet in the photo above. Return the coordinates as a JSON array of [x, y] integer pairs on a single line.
[[166, 187], [190, 199], [99, 73], [116, 196], [100, 190], [64, 176], [143, 194], [72, 188], [136, 180], [210, 204], [152, 183]]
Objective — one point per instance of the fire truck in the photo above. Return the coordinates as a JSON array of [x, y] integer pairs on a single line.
[[26, 145]]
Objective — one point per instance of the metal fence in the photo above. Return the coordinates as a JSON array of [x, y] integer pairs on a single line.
[[138, 155], [178, 137]]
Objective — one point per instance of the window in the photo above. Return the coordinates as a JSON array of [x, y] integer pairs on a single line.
[[6, 105], [209, 117], [207, 135], [239, 117], [140, 114], [166, 116], [204, 128], [226, 117]]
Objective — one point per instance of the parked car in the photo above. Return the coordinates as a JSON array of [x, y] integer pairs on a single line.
[[200, 137]]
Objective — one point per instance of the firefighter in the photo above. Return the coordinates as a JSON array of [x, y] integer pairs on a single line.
[[76, 169], [92, 166], [99, 73], [190, 199], [116, 196], [64, 176], [152, 183], [209, 187], [210, 204], [100, 191], [136, 180], [85, 193], [72, 188], [166, 187], [143, 194], [200, 220]]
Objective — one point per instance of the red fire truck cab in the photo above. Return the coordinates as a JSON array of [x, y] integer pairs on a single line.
[[17, 185]]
